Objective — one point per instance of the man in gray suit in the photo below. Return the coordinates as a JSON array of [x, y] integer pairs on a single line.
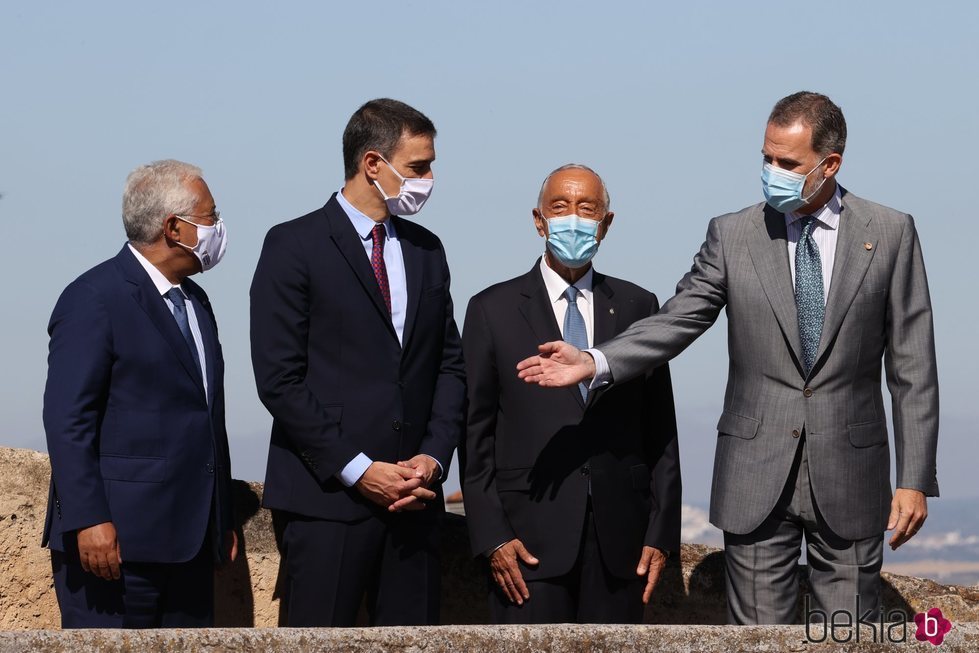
[[819, 287]]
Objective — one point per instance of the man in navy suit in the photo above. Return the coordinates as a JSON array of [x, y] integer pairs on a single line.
[[140, 499], [358, 358]]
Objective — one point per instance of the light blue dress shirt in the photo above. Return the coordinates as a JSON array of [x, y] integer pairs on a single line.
[[395, 264]]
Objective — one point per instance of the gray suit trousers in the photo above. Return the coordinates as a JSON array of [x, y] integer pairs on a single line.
[[762, 583]]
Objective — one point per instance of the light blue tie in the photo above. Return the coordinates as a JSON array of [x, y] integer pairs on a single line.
[[180, 315], [809, 297], [574, 328]]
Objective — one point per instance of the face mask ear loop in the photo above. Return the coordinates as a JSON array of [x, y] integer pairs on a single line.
[[819, 187]]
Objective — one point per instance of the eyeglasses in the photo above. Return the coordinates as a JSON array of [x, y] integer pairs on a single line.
[[213, 218]]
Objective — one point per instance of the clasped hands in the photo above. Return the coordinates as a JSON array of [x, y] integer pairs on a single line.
[[401, 486], [505, 569]]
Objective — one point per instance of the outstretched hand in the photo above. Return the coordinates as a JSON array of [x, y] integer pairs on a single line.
[[558, 365]]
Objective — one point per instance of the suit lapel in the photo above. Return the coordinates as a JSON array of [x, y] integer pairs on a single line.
[[537, 310], [606, 311], [769, 252], [412, 257], [851, 264], [348, 241], [148, 299]]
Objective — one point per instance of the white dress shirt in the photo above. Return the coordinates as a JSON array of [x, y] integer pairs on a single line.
[[397, 283], [556, 287], [163, 286]]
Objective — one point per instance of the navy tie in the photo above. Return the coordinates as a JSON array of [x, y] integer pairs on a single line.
[[180, 315], [574, 328], [809, 297]]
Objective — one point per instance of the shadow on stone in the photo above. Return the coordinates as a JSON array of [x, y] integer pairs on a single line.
[[234, 604]]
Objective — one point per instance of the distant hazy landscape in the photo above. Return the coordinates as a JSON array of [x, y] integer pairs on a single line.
[[946, 549]]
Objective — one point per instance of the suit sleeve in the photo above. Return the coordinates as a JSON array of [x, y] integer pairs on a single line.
[[445, 425], [652, 341], [79, 373], [911, 368], [488, 525], [279, 338], [663, 447]]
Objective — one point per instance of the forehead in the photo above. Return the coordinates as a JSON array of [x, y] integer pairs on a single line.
[[415, 147], [573, 183], [789, 140]]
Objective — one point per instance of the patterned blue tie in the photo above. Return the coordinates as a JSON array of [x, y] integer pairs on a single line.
[[809, 298], [180, 315], [574, 328]]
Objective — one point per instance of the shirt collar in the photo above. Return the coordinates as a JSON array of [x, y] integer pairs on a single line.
[[556, 285], [163, 285], [829, 215], [362, 223]]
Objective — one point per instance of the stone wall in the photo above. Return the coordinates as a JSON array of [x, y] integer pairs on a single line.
[[691, 591]]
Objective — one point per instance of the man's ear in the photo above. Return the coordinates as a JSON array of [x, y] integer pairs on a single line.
[[171, 228], [833, 163], [540, 222], [603, 227], [371, 164]]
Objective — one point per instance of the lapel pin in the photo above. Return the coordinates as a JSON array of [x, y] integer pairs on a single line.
[[868, 246], [611, 311]]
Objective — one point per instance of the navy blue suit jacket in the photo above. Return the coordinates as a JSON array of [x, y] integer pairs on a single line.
[[331, 371], [131, 436]]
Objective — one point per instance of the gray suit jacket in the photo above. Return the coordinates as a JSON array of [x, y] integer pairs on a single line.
[[878, 308]]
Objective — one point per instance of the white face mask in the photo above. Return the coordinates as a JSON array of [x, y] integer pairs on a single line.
[[411, 197], [212, 241]]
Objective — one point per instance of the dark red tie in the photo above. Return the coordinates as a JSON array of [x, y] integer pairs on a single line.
[[377, 262]]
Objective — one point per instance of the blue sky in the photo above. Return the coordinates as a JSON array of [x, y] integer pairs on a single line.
[[667, 101]]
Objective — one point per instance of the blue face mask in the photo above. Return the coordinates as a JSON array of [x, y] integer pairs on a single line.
[[783, 189], [572, 240]]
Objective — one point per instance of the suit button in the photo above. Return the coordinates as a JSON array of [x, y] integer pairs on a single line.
[[396, 425], [585, 471], [210, 468], [807, 392], [795, 433]]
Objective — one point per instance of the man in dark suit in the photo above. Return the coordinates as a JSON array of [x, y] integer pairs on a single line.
[[575, 503], [140, 498], [820, 288], [357, 357]]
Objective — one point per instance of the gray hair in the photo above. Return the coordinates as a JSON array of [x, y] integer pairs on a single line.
[[572, 166], [153, 192]]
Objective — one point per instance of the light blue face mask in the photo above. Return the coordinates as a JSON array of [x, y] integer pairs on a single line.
[[572, 240], [783, 189]]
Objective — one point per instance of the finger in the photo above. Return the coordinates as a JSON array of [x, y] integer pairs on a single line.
[[647, 555], [895, 513], [524, 554], [901, 529], [531, 361], [405, 471], [515, 593], [517, 578], [651, 582], [402, 503], [404, 488], [501, 582], [83, 558], [102, 566], [424, 494], [549, 348], [112, 560]]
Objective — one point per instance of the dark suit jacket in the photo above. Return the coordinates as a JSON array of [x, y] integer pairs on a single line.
[[131, 436], [331, 371], [531, 451]]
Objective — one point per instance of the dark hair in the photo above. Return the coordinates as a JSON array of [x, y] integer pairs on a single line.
[[819, 113], [379, 125]]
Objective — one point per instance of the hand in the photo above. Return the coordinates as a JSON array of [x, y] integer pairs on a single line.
[[909, 510], [98, 550], [651, 565], [384, 483], [425, 468], [231, 538], [506, 570], [558, 365]]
